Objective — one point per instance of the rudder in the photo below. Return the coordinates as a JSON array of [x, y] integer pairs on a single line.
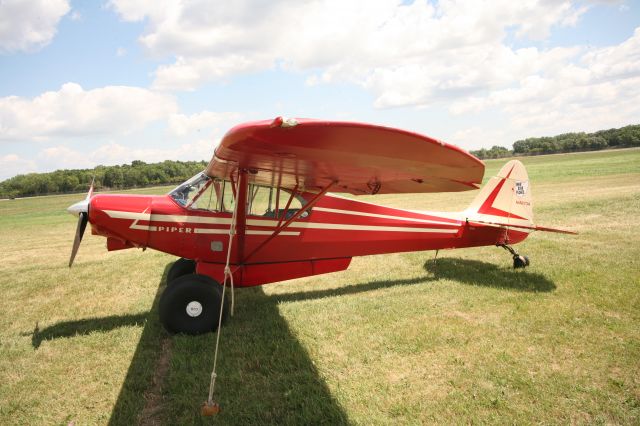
[[506, 198]]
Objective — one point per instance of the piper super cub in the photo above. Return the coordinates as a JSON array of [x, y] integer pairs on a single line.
[[261, 212]]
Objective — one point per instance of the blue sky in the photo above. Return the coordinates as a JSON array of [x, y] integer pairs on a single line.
[[87, 83]]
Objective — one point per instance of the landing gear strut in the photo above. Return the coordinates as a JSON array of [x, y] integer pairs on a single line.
[[519, 261]]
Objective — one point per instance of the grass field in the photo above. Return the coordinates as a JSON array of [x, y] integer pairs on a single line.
[[392, 340]]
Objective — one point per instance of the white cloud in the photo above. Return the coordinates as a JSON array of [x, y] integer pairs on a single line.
[[136, 10], [29, 25], [116, 153], [62, 157], [452, 54], [202, 122], [617, 61], [11, 165], [477, 137], [98, 117], [366, 42], [586, 90], [75, 112], [200, 133], [188, 74]]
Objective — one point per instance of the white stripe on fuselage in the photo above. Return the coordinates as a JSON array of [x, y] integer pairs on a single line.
[[383, 216], [349, 227], [249, 232], [116, 214]]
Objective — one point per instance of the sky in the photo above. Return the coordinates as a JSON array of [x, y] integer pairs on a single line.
[[84, 83]]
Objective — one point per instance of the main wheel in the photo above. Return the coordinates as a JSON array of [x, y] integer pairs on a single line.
[[181, 267], [191, 305]]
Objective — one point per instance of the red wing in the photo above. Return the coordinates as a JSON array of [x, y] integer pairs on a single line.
[[360, 158]]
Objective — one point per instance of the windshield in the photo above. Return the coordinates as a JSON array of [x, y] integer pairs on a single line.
[[188, 193]]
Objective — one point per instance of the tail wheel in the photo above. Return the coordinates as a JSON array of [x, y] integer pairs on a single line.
[[520, 261], [181, 267], [191, 305]]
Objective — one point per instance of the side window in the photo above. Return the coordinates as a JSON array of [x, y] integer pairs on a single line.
[[272, 202], [226, 199]]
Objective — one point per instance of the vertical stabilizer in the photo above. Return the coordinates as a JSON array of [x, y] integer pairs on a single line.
[[506, 198]]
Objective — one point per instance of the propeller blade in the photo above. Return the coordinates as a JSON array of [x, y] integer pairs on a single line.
[[90, 193], [81, 209], [83, 219]]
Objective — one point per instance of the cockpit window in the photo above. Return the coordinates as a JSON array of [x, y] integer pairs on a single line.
[[189, 191], [202, 192]]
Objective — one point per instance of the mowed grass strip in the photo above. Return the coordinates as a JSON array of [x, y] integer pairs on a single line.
[[395, 339]]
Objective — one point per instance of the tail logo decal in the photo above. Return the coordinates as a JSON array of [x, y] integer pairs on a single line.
[[521, 188]]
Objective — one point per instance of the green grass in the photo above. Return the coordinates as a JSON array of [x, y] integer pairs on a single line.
[[394, 339]]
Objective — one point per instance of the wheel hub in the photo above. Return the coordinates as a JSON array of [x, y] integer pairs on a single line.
[[194, 309]]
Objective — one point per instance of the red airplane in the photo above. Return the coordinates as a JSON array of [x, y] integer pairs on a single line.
[[261, 212]]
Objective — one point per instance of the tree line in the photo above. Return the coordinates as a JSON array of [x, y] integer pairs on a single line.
[[628, 136], [135, 175]]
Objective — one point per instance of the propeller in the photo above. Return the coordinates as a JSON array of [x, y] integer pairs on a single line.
[[81, 209]]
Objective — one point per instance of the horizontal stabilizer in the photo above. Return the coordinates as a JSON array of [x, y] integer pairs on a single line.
[[533, 227]]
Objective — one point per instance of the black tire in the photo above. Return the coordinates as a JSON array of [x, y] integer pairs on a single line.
[[191, 305], [181, 267], [520, 262]]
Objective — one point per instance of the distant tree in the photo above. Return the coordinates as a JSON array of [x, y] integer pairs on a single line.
[[137, 174]]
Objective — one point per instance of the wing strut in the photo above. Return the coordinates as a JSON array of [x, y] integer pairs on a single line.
[[282, 227], [286, 207]]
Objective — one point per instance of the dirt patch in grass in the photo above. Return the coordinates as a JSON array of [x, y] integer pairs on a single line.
[[151, 414]]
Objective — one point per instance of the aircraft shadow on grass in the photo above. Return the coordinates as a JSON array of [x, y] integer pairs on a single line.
[[484, 274], [265, 376], [349, 289], [85, 326]]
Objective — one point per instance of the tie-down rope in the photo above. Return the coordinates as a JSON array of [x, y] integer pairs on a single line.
[[228, 276]]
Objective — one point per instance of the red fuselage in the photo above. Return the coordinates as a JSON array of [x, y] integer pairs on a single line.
[[334, 230]]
